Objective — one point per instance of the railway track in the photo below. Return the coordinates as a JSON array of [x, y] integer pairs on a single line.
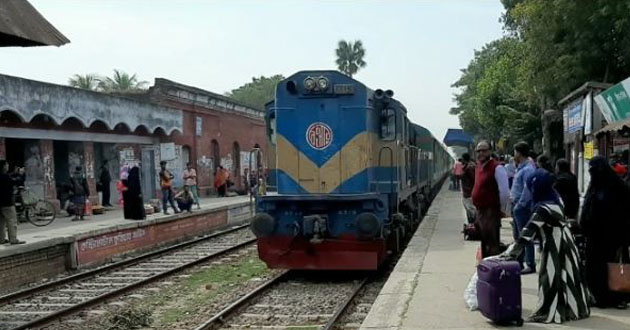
[[40, 305], [291, 299]]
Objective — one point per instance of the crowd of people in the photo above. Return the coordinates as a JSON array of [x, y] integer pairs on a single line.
[[544, 204]]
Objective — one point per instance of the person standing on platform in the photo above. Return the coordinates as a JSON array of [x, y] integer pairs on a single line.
[[220, 181], [190, 180], [458, 170], [166, 183], [468, 182], [510, 168], [522, 202], [133, 206], [567, 187], [80, 192], [105, 179], [8, 215], [605, 222], [490, 196], [562, 294]]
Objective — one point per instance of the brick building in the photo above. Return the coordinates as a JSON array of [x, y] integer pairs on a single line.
[[217, 129], [49, 129]]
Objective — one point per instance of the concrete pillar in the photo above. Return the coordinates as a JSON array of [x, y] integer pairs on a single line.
[[88, 165], [48, 164]]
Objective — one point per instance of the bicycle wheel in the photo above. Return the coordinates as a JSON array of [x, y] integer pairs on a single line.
[[41, 213]]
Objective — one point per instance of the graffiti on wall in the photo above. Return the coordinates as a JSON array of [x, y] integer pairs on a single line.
[[227, 162], [127, 157]]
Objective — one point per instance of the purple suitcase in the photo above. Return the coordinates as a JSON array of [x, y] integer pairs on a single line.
[[499, 291]]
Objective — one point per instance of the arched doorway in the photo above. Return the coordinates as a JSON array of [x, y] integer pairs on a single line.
[[215, 154]]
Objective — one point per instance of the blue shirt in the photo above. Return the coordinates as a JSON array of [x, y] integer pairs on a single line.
[[521, 196]]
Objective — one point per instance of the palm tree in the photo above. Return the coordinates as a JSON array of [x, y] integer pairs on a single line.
[[121, 82], [350, 57], [88, 81]]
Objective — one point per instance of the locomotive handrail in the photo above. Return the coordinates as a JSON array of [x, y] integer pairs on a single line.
[[257, 152], [391, 163]]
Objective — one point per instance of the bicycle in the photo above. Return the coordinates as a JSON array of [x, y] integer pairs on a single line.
[[39, 212]]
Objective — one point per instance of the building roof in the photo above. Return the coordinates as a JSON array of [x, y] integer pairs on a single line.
[[457, 137], [583, 90], [22, 25]]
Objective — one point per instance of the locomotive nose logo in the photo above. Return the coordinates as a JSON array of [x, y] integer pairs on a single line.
[[319, 136]]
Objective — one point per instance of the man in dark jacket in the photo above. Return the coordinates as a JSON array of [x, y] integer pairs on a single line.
[[105, 178], [490, 196], [567, 187], [8, 216], [80, 192]]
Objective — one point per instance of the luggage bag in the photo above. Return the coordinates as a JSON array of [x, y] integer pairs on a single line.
[[499, 291]]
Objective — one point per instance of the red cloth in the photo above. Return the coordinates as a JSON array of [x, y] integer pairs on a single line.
[[486, 190], [620, 169]]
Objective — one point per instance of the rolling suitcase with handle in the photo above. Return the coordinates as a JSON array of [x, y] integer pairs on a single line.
[[499, 291]]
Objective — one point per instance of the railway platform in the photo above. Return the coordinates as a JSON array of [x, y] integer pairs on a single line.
[[426, 288], [67, 245]]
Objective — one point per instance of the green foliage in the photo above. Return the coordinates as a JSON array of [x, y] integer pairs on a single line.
[[551, 47], [87, 81], [121, 82], [257, 92], [350, 57]]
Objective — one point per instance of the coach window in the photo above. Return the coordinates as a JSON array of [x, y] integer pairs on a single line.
[[388, 124]]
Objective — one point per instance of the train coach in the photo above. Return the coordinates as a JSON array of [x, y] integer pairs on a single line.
[[353, 174]]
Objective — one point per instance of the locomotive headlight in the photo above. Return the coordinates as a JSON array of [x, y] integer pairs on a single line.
[[263, 224], [367, 225], [323, 83], [310, 84]]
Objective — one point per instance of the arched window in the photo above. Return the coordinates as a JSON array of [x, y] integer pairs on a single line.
[[236, 153], [215, 154]]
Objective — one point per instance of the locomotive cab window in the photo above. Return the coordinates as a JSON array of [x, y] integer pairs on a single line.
[[388, 124], [271, 127]]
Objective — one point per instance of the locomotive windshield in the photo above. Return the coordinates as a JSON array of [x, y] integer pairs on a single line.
[[388, 125]]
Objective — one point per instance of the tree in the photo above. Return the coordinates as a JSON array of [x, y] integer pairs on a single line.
[[350, 57], [88, 81], [490, 103], [121, 82], [257, 92], [570, 42], [551, 48]]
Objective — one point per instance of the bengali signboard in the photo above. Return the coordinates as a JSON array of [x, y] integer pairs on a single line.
[[614, 102], [573, 115], [99, 248]]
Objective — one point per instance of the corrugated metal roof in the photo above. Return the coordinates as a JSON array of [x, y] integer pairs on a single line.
[[22, 25], [616, 126]]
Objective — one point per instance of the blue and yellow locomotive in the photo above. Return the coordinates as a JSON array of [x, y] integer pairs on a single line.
[[353, 174]]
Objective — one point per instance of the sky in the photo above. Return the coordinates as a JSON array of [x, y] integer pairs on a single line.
[[415, 48]]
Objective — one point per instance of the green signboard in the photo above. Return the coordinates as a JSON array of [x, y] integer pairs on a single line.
[[615, 102]]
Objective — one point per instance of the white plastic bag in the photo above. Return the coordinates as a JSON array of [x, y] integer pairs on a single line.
[[470, 294]]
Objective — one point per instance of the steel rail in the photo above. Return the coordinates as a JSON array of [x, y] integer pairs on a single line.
[[333, 320], [48, 285], [99, 299], [220, 316]]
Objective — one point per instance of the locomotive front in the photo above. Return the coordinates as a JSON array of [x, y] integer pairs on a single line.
[[328, 213]]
